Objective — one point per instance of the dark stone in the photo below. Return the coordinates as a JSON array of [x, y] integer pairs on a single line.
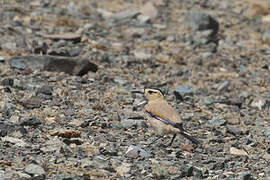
[[181, 91], [74, 52], [6, 128], [16, 23], [107, 152], [8, 109], [7, 82], [187, 170], [40, 48], [85, 124], [197, 172], [30, 121], [268, 149], [47, 90], [234, 130], [76, 141], [54, 63], [65, 177], [201, 21], [246, 176]]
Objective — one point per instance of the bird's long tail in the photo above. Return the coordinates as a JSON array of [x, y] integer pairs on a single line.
[[192, 139], [186, 135]]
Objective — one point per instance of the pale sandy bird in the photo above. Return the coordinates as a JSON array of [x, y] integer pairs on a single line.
[[162, 117]]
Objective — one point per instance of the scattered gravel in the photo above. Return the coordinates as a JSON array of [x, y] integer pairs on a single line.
[[67, 70]]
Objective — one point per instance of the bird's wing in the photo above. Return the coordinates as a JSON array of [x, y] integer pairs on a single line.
[[162, 111]]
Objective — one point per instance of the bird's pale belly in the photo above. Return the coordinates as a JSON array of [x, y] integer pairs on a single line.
[[161, 128]]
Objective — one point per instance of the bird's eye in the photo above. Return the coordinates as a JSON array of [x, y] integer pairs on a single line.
[[150, 92]]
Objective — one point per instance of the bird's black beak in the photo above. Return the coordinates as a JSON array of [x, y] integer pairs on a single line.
[[137, 91]]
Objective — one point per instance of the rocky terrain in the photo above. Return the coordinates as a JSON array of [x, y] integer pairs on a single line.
[[67, 69]]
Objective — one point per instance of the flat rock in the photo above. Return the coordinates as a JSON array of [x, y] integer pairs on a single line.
[[15, 141], [65, 36], [141, 55], [218, 121], [148, 9], [135, 151], [123, 169], [125, 15], [34, 169], [236, 151], [53, 63], [143, 19]]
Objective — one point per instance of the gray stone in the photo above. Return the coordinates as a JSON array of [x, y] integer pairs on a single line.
[[8, 109], [15, 141], [129, 114], [66, 177], [181, 91], [218, 121], [52, 145], [47, 90], [97, 162], [201, 21], [267, 132], [235, 130], [129, 123], [9, 46], [223, 86], [124, 15], [34, 169], [23, 175], [170, 38], [2, 174], [135, 151], [17, 64]]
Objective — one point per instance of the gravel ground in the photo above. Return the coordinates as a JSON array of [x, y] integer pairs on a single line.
[[67, 69]]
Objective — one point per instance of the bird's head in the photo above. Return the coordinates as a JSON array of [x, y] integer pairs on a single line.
[[153, 94]]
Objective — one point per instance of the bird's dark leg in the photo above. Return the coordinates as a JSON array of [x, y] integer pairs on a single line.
[[172, 139], [154, 140]]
